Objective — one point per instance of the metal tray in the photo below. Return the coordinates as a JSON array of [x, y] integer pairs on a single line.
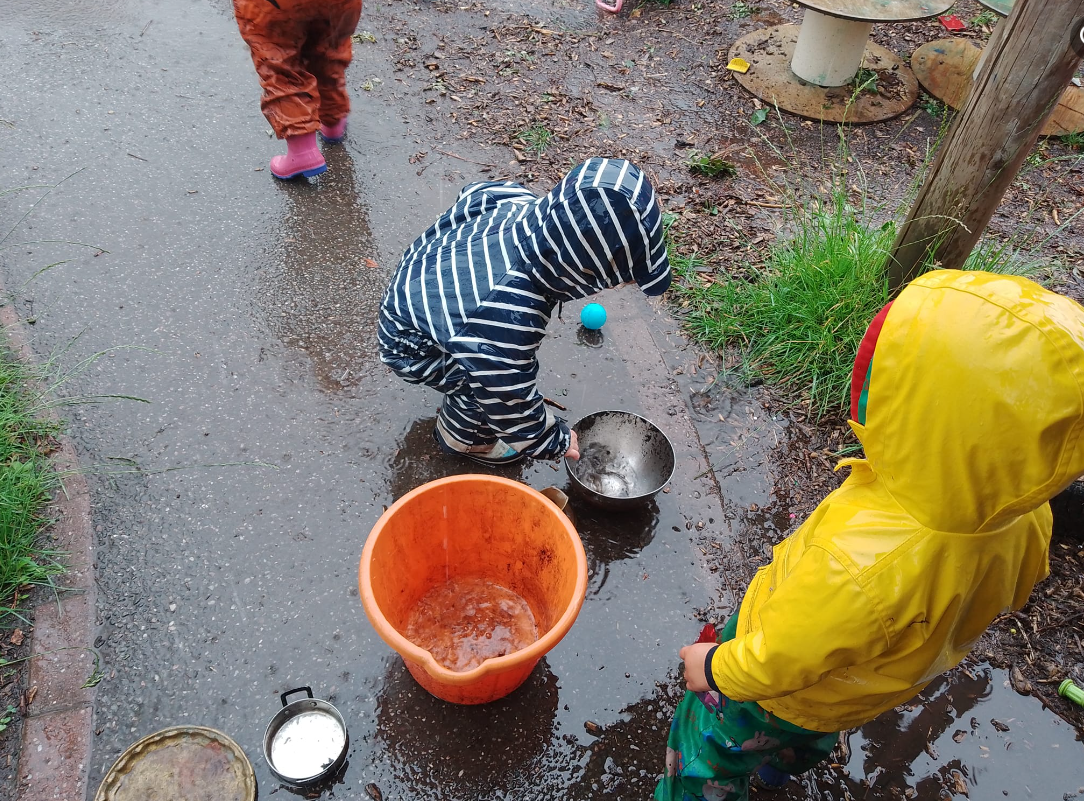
[[182, 763]]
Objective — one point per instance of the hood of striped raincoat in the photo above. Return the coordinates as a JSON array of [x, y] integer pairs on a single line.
[[599, 228]]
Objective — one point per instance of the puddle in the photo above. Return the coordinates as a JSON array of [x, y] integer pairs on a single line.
[[969, 735], [220, 588], [320, 288]]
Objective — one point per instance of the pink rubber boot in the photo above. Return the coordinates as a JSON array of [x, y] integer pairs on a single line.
[[333, 134], [302, 157]]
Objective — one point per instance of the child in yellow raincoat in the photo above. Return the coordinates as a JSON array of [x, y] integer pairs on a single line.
[[968, 398]]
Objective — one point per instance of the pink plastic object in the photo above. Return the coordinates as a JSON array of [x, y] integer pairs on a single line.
[[614, 9]]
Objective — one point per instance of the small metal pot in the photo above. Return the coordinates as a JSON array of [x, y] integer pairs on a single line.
[[306, 741], [624, 460]]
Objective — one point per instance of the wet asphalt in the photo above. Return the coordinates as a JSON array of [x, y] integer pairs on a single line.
[[232, 494]]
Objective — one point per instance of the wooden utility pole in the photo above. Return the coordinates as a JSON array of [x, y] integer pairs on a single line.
[[1029, 62]]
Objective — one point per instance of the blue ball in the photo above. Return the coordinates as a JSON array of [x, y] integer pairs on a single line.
[[593, 316]]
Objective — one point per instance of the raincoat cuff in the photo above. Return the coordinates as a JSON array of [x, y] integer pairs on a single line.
[[708, 675], [554, 442], [658, 282]]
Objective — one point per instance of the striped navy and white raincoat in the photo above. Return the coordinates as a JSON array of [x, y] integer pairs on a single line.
[[468, 305]]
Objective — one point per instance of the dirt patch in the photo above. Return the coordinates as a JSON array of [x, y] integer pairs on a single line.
[[651, 85], [1042, 644]]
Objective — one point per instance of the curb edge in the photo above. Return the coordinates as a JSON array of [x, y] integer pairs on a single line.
[[54, 755]]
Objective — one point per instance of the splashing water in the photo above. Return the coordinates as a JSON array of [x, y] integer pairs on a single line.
[[606, 472]]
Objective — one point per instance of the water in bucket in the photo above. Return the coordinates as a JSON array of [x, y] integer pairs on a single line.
[[466, 621]]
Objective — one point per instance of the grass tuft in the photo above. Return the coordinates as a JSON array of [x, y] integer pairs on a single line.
[[865, 80], [931, 105], [797, 319], [536, 138], [740, 10], [711, 166], [26, 484], [800, 319], [1073, 141]]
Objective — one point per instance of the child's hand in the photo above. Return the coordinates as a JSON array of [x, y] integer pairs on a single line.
[[573, 451], [694, 656]]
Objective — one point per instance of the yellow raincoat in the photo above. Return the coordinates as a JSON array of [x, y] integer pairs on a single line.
[[973, 419]]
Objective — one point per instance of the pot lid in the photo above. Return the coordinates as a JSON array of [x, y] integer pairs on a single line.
[[182, 763], [307, 744]]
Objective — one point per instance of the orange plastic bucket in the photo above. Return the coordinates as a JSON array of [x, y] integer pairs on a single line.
[[473, 526]]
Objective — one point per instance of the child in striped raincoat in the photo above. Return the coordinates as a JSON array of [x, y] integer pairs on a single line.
[[468, 305]]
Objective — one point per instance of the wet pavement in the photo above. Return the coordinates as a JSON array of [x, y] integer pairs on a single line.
[[230, 509]]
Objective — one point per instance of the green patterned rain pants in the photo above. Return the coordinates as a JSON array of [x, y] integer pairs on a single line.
[[715, 744]]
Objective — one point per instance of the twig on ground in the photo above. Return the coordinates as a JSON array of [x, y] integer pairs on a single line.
[[1064, 621], [461, 158]]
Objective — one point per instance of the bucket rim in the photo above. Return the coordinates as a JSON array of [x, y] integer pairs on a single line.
[[500, 664]]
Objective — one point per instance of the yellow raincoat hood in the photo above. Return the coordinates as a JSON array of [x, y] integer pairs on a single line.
[[974, 411], [971, 415]]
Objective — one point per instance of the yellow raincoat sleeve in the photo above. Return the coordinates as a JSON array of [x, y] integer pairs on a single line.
[[818, 619]]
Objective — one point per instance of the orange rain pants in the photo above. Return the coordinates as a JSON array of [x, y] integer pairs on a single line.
[[301, 49]]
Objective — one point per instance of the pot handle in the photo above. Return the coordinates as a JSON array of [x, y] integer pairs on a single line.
[[307, 690]]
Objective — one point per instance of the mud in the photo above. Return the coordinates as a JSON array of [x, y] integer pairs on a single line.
[[231, 509]]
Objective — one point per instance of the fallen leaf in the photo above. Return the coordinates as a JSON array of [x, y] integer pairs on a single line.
[[1018, 682], [17, 637], [371, 263], [31, 694], [959, 783]]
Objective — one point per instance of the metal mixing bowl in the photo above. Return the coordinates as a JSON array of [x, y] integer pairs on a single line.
[[624, 459]]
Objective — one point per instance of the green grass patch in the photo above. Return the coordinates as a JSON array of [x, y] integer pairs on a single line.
[[535, 139], [1073, 141], [27, 481], [740, 10], [984, 19], [710, 166], [865, 80], [931, 105], [798, 318]]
